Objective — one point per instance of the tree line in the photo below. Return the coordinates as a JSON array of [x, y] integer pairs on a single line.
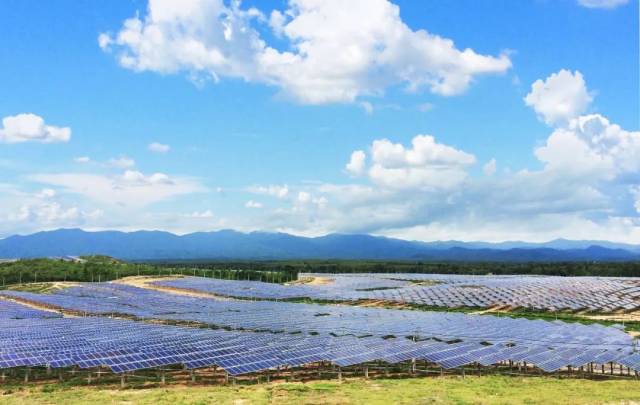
[[102, 268]]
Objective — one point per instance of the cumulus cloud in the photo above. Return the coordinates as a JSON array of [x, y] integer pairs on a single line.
[[336, 51], [253, 204], [159, 147], [122, 162], [607, 4], [274, 190], [131, 189], [635, 191], [200, 214], [43, 209], [560, 97], [82, 159], [31, 128], [425, 165], [490, 167], [357, 163], [581, 145], [305, 198], [588, 184], [367, 107], [591, 145]]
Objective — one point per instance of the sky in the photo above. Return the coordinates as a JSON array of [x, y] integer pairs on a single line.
[[471, 120]]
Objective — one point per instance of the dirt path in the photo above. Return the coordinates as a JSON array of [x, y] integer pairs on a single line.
[[147, 282], [312, 281], [624, 317]]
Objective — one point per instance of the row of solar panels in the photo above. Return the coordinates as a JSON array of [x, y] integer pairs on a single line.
[[544, 293], [106, 299], [11, 310], [127, 346]]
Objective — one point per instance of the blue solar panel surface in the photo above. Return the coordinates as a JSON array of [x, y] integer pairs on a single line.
[[533, 292], [343, 335]]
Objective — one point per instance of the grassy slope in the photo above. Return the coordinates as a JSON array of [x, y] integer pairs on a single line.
[[472, 390]]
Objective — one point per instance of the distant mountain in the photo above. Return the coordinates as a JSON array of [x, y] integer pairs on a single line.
[[228, 244]]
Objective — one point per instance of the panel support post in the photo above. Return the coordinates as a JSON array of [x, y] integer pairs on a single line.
[[26, 375], [122, 380], [339, 374], [163, 379], [193, 375], [366, 372]]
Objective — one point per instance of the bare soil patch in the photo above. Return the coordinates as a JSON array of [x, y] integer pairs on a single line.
[[147, 282], [312, 281]]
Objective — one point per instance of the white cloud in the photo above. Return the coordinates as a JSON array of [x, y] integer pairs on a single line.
[[31, 128], [357, 163], [46, 193], [200, 214], [277, 22], [201, 37], [131, 189], [337, 51], [35, 211], [591, 145], [253, 204], [635, 191], [122, 162], [159, 147], [490, 168], [82, 159], [560, 97], [274, 190], [589, 184], [426, 165], [608, 4], [306, 198], [367, 107]]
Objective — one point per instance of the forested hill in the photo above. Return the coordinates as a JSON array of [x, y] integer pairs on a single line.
[[156, 245]]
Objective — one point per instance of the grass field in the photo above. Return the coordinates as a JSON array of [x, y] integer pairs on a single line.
[[454, 390]]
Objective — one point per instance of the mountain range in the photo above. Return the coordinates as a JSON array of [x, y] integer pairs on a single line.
[[228, 244]]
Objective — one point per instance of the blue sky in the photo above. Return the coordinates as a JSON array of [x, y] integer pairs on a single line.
[[300, 116]]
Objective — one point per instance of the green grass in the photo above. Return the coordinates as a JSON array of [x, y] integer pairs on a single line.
[[448, 390]]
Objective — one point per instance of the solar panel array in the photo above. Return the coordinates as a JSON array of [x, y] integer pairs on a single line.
[[597, 294], [12, 310], [110, 299], [125, 346]]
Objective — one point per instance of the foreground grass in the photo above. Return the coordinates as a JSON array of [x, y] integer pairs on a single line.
[[455, 390]]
